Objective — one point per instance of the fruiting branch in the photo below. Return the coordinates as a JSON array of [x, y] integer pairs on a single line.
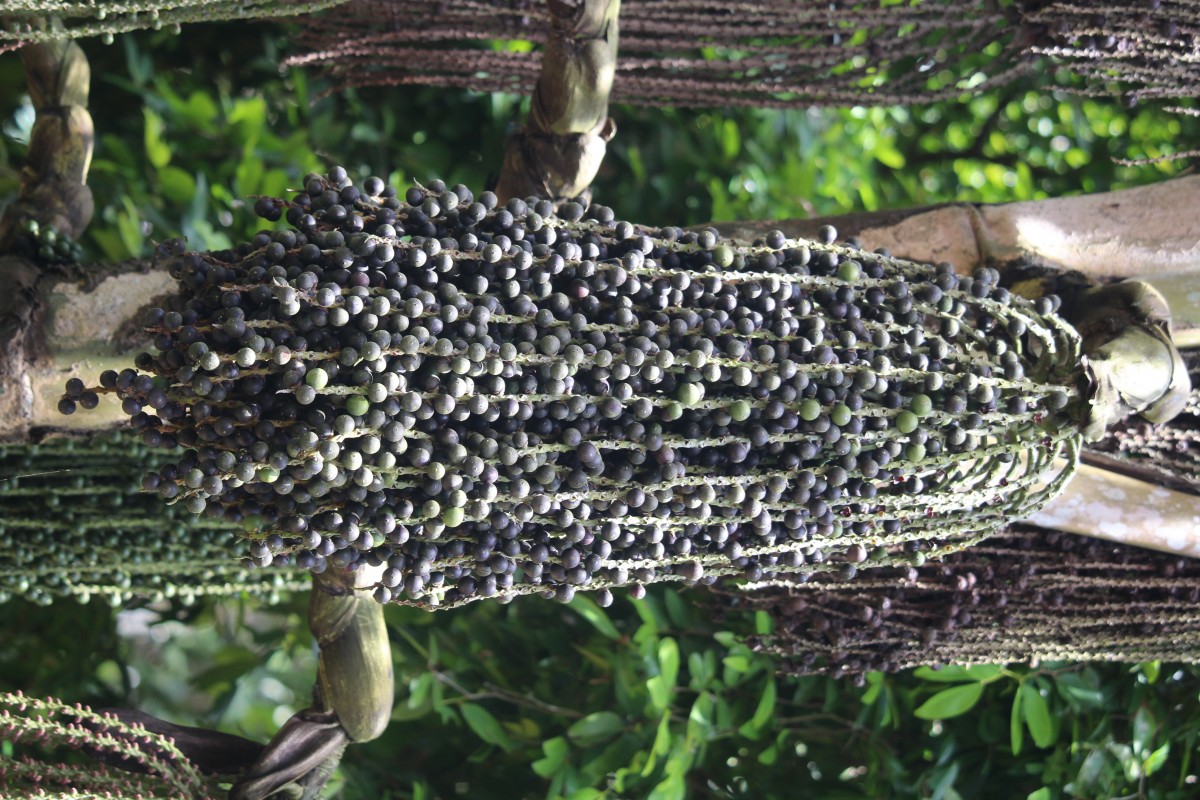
[[493, 401], [1025, 594]]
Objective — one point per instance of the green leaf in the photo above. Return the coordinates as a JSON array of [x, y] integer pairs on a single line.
[[418, 690], [129, 227], [671, 788], [586, 607], [1150, 669], [1037, 715], [700, 723], [250, 112], [737, 663], [661, 746], [888, 156], [662, 685], [555, 751], [1155, 760], [660, 693], [731, 138], [110, 244], [1078, 693], [1040, 794], [596, 728], [668, 660], [586, 793], [486, 726], [177, 185], [1143, 731], [1131, 765], [274, 183], [678, 610], [1091, 768], [201, 110], [874, 688], [950, 702], [1016, 730], [956, 673], [248, 176], [725, 638], [157, 151], [945, 784], [700, 669], [763, 713], [232, 665]]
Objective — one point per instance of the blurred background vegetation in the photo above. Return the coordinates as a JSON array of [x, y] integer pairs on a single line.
[[653, 698]]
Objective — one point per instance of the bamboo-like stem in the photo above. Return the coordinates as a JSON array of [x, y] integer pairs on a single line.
[[558, 151], [54, 188], [1121, 508], [353, 695]]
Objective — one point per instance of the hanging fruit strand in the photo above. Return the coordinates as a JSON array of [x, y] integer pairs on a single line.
[[501, 400]]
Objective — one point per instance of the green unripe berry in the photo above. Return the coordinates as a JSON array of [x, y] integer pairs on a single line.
[[906, 422], [672, 411], [914, 452], [690, 394], [317, 378], [723, 255], [840, 415], [267, 474], [849, 271], [920, 405], [357, 405], [809, 410], [739, 411]]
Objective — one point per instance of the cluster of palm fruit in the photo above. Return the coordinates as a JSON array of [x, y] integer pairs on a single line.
[[45, 244], [1024, 593], [73, 524], [29, 21], [489, 400]]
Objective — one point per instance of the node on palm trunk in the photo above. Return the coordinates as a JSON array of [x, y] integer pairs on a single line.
[[484, 401]]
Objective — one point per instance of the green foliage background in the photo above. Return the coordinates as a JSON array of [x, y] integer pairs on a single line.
[[653, 698]]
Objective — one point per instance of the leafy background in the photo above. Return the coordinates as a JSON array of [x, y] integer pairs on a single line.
[[655, 698]]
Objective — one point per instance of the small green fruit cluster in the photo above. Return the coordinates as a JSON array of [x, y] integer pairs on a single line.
[[75, 523], [43, 243]]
